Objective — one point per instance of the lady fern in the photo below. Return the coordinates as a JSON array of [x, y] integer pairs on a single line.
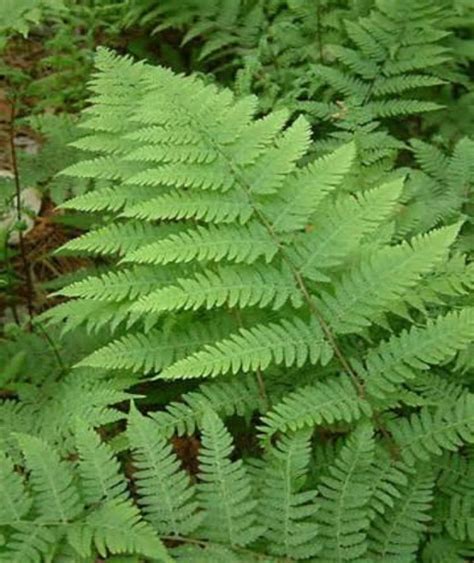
[[252, 282]]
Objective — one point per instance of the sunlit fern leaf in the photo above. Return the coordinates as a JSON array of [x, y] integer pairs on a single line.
[[247, 286], [156, 349], [109, 199], [117, 238], [339, 227], [304, 191], [382, 280], [243, 243], [207, 206], [165, 492], [90, 313], [289, 342], [130, 283], [116, 527]]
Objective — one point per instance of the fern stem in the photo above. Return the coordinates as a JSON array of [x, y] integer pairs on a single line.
[[300, 282], [310, 302], [16, 175]]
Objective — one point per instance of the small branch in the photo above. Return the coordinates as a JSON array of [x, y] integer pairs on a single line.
[[54, 348], [24, 259]]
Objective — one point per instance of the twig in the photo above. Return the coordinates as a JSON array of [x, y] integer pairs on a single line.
[[54, 348], [24, 259]]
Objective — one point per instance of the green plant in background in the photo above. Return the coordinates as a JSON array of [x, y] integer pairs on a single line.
[[19, 15]]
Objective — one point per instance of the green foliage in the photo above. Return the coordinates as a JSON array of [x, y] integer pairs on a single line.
[[272, 360]]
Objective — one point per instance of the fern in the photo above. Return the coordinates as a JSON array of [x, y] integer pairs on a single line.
[[440, 340], [257, 287], [166, 494], [225, 491], [344, 513], [432, 431], [290, 512], [326, 403], [56, 497], [16, 502], [100, 473], [397, 532]]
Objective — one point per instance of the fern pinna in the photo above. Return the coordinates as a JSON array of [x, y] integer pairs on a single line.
[[289, 299]]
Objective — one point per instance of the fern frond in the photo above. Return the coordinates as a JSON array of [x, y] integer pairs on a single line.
[[288, 342], [117, 286], [388, 477], [286, 508], [327, 402], [116, 238], [430, 431], [238, 243], [165, 492], [340, 227], [224, 491], [116, 527], [381, 281], [397, 360], [397, 532], [460, 525], [156, 349], [16, 502], [56, 497], [203, 206], [100, 472], [236, 396], [294, 203], [109, 199], [30, 542], [398, 84], [395, 108], [344, 513], [243, 286], [93, 315]]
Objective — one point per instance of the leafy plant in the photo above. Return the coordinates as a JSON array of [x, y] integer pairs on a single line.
[[236, 259], [270, 357]]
